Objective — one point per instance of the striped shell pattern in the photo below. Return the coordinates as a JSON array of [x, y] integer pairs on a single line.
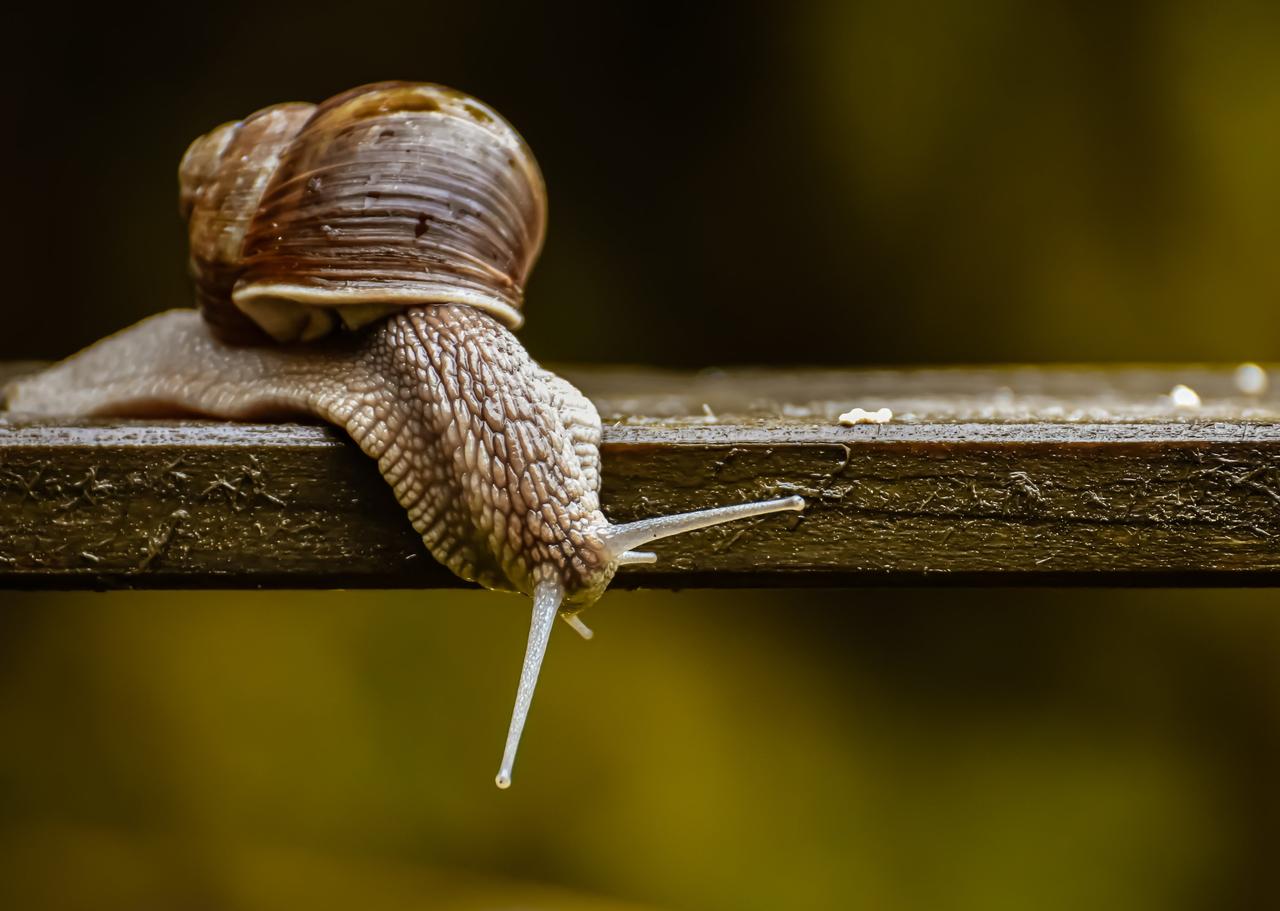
[[305, 219]]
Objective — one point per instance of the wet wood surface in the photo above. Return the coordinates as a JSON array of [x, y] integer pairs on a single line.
[[1014, 475]]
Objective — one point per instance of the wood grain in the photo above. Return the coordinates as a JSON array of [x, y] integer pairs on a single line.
[[1015, 475]]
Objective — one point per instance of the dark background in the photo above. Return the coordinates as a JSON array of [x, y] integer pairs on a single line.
[[819, 183], [876, 182]]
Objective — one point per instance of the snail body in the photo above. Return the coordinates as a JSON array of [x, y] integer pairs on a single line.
[[363, 260]]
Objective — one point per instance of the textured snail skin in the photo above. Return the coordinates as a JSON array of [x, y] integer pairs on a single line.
[[494, 459]]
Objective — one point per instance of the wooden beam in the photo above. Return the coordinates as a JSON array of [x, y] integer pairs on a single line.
[[996, 475]]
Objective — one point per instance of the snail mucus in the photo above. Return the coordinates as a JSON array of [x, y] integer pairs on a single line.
[[363, 260]]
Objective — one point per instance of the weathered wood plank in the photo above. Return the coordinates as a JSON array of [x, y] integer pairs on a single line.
[[1011, 475]]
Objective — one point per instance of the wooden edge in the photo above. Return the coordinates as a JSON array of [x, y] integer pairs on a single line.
[[155, 504]]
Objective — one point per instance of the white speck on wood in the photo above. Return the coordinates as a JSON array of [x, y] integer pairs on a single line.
[[862, 416], [1184, 397], [1251, 379]]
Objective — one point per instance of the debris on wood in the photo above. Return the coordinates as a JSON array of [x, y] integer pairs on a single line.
[[862, 416]]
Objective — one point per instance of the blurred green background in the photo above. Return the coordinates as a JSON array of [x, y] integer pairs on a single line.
[[877, 182]]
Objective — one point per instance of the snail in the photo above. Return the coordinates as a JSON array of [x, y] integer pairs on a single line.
[[363, 260]]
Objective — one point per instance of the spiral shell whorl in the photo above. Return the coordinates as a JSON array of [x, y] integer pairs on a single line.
[[393, 195], [221, 181]]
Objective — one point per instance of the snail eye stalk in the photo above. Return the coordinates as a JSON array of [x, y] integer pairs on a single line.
[[620, 539]]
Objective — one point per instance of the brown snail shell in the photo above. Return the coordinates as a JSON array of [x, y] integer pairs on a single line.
[[306, 218]]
